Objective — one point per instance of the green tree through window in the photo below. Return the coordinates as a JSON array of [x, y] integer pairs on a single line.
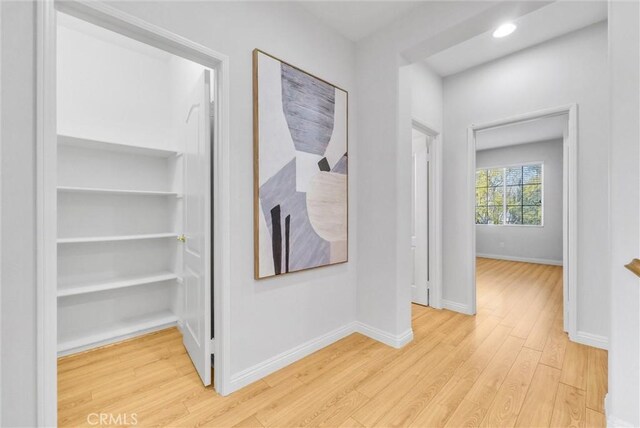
[[511, 195]]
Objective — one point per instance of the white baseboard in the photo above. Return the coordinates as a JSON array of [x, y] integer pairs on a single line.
[[115, 339], [612, 421], [273, 364], [396, 341], [457, 307], [589, 339], [521, 259]]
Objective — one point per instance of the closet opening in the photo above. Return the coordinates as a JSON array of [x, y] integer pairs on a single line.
[[135, 194]]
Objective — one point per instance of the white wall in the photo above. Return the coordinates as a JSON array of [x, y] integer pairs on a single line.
[[112, 89], [569, 69], [426, 95], [384, 190], [18, 304], [622, 404], [270, 316], [543, 244], [184, 76]]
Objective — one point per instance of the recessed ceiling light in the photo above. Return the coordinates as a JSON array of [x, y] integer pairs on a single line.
[[504, 30]]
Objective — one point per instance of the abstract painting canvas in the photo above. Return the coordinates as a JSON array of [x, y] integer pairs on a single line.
[[300, 169]]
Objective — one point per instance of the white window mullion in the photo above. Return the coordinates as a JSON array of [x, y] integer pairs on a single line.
[[504, 196]]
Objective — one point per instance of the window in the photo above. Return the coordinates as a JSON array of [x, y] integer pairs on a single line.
[[511, 195]]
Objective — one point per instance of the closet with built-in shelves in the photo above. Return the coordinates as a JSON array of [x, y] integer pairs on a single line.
[[132, 156], [118, 222]]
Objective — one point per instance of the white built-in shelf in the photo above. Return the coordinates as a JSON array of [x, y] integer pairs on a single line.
[[115, 238], [114, 147], [120, 330], [71, 189], [113, 284]]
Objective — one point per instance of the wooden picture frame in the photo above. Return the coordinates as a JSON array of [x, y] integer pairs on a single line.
[[301, 181]]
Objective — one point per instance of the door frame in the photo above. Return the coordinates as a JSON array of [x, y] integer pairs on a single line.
[[46, 195], [435, 212], [569, 207], [0, 207]]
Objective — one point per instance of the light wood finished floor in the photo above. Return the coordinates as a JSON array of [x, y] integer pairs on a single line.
[[510, 365]]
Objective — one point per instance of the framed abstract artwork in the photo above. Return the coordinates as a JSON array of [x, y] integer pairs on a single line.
[[300, 169]]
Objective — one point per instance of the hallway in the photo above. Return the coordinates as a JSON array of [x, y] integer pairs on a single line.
[[509, 365]]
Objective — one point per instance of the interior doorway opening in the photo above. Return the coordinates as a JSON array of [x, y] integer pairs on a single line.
[[134, 191], [522, 180], [132, 194]]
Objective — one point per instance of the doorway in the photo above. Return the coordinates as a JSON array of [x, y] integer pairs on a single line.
[[134, 181], [507, 197], [132, 191], [425, 216]]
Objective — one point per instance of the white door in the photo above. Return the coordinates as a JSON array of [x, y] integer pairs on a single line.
[[196, 272], [420, 219]]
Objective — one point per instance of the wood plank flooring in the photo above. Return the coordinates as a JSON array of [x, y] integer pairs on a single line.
[[510, 365]]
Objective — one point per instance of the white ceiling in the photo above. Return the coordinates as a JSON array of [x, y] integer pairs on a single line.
[[357, 19], [556, 19], [531, 131]]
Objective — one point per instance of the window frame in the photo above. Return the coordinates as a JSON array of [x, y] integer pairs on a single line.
[[504, 198]]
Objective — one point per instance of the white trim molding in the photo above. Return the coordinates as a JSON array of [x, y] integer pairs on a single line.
[[569, 203], [116, 339], [457, 307], [0, 210], [612, 420], [46, 220], [273, 364], [418, 125], [595, 340], [394, 340], [521, 259]]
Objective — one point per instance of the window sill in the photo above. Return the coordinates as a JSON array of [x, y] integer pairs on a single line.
[[511, 225]]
